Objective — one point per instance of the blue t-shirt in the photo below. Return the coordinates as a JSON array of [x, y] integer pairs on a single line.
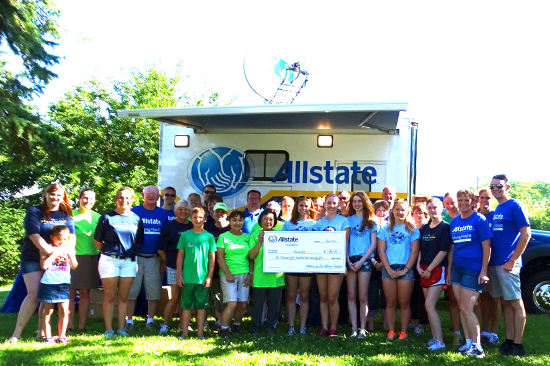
[[170, 215], [467, 236], [250, 219], [489, 218], [509, 217], [338, 223], [398, 243], [35, 223], [120, 234], [359, 241], [153, 221], [303, 225], [169, 239]]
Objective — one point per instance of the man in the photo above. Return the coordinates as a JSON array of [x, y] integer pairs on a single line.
[[252, 210], [169, 198], [206, 191], [149, 262], [389, 195], [511, 230], [287, 204]]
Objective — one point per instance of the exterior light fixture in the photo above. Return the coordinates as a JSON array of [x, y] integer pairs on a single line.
[[181, 141], [324, 141]]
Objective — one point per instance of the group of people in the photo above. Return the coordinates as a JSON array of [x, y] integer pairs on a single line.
[[213, 255]]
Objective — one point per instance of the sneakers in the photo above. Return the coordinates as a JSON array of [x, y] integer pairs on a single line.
[[150, 326], [50, 340], [206, 326], [109, 334], [332, 333], [353, 333], [63, 340], [323, 332], [419, 330], [473, 351], [391, 335], [237, 329], [431, 341], [457, 340], [303, 331], [291, 331], [464, 348], [492, 339], [403, 336], [517, 351], [164, 329], [436, 345], [224, 333], [122, 333], [362, 334], [129, 327], [505, 347]]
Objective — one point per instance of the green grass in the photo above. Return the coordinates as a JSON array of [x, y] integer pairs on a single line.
[[146, 349]]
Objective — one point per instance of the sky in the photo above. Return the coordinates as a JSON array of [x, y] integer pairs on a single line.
[[474, 73]]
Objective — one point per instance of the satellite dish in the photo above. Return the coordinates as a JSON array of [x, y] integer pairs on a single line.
[[274, 79]]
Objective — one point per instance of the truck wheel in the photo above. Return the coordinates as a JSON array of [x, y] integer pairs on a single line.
[[536, 293]]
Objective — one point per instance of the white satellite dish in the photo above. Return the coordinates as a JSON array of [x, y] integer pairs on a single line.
[[273, 78]]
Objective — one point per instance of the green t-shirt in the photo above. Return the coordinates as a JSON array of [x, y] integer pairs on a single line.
[[196, 248], [447, 219], [84, 229], [236, 252], [260, 278]]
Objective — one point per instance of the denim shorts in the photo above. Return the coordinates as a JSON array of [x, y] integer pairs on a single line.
[[53, 293], [30, 266], [466, 278], [367, 265], [409, 276]]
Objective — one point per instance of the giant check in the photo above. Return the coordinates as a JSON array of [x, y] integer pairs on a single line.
[[305, 251]]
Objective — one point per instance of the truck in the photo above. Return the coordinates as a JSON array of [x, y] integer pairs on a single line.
[[286, 150]]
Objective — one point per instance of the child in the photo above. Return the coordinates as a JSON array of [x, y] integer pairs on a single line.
[[54, 285], [195, 267]]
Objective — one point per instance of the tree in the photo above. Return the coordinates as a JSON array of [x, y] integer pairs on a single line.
[[123, 151], [29, 29], [536, 196]]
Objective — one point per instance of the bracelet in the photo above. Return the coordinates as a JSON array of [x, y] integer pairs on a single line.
[[375, 262], [407, 269], [251, 273]]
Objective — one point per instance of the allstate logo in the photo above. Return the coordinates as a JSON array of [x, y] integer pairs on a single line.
[[272, 239], [223, 167]]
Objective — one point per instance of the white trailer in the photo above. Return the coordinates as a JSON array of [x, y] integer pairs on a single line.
[[278, 149]]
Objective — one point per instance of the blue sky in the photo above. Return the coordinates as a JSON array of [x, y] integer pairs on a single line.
[[475, 74]]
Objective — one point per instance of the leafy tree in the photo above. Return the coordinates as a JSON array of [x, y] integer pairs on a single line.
[[124, 151], [536, 196], [29, 29], [11, 222]]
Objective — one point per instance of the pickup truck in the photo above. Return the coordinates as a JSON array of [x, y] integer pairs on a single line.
[[535, 274]]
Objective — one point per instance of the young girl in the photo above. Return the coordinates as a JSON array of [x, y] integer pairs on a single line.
[[329, 283], [300, 220], [362, 244], [398, 249], [54, 285]]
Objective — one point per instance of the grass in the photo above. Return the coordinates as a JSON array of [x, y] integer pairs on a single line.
[[148, 349]]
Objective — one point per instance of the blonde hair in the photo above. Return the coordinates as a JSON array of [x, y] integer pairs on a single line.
[[409, 224]]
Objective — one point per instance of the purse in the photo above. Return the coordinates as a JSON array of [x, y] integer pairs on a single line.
[[435, 276]]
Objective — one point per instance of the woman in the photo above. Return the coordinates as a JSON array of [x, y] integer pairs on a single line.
[[318, 207], [168, 251], [490, 307], [54, 210], [117, 236], [435, 241], [236, 271], [343, 203], [449, 200], [300, 220], [419, 214], [329, 283], [194, 200], [468, 261], [86, 276], [419, 317], [398, 249], [362, 244], [265, 285]]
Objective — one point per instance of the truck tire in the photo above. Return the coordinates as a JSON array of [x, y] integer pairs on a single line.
[[536, 293]]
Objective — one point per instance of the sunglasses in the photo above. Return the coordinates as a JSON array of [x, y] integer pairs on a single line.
[[496, 186], [209, 192], [169, 195]]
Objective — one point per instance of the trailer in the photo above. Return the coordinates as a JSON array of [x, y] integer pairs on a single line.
[[286, 150]]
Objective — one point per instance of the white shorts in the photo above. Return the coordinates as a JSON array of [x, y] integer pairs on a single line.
[[112, 267], [171, 276], [235, 291]]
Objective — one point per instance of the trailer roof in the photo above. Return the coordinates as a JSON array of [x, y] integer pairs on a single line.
[[367, 118]]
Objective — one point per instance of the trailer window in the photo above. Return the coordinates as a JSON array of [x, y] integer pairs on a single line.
[[263, 165]]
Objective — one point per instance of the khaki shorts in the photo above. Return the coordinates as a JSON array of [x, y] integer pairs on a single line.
[[503, 283], [148, 273]]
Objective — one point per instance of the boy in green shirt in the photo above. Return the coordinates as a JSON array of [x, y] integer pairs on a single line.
[[195, 267]]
